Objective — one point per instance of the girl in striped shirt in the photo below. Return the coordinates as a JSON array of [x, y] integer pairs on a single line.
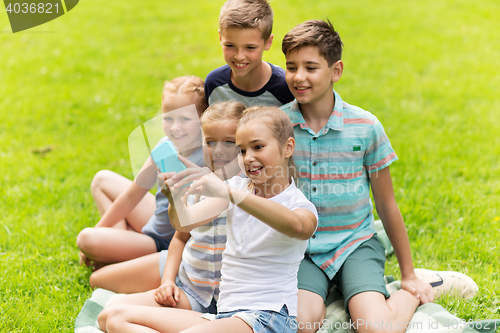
[[187, 275]]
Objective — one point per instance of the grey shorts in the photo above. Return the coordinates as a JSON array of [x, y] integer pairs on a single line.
[[362, 271]]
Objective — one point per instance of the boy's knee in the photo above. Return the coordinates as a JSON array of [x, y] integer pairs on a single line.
[[309, 319], [309, 323], [372, 315], [310, 311], [374, 325]]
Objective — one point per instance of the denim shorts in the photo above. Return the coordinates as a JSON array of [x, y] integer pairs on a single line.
[[195, 305], [262, 321]]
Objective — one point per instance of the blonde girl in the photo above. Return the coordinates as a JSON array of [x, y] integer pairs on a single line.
[[133, 221], [268, 223]]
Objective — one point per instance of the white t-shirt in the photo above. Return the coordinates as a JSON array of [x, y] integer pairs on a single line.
[[260, 264]]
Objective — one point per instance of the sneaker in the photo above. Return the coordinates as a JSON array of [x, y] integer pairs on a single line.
[[448, 283]]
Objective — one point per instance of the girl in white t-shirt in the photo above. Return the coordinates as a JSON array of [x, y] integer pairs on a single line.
[[187, 275], [268, 224]]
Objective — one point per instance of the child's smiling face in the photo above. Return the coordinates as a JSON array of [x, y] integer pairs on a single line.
[[242, 49], [180, 121], [219, 149], [262, 157], [308, 75]]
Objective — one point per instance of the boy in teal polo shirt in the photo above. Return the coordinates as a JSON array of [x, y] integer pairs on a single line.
[[340, 151]]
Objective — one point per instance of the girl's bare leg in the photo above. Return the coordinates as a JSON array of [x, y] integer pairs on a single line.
[[131, 276], [146, 299], [225, 325], [136, 318], [107, 185], [111, 245]]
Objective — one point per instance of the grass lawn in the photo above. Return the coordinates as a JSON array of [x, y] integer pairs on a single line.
[[80, 84]]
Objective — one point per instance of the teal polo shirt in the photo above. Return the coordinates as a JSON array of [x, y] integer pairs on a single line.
[[332, 171]]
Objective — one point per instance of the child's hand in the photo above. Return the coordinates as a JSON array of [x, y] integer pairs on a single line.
[[167, 294], [189, 175], [167, 182], [418, 288], [210, 186], [163, 177]]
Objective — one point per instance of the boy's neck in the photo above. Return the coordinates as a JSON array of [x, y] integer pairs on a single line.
[[255, 80], [318, 113]]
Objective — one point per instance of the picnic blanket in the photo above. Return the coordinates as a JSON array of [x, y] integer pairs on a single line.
[[86, 321], [429, 317]]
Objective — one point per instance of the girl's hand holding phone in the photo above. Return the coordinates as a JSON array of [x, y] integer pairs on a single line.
[[210, 186], [172, 193], [163, 177], [192, 173]]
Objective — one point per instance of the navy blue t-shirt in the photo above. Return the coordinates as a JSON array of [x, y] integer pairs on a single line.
[[219, 88]]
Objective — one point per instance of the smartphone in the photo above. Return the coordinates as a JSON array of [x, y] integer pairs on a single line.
[[166, 159]]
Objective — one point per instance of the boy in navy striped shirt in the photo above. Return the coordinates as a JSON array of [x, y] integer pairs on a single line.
[[245, 31]]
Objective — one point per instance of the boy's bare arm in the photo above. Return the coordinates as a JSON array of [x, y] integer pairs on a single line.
[[389, 213]]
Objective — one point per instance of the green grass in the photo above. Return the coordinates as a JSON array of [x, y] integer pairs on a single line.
[[80, 84]]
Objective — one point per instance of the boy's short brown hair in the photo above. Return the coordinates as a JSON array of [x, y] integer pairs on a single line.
[[245, 14], [315, 33]]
